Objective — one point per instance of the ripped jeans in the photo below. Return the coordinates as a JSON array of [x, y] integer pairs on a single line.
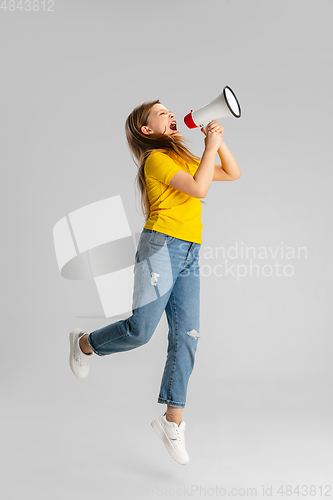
[[166, 277]]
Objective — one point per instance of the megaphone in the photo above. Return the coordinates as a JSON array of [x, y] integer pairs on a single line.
[[226, 104]]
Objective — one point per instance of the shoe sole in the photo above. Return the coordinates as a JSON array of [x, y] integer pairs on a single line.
[[72, 340], [160, 431]]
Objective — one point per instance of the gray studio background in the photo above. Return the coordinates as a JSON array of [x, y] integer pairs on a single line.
[[259, 403]]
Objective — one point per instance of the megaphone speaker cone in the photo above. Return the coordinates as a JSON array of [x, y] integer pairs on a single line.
[[232, 101]]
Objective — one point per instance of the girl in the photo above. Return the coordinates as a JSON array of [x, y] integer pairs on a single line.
[[166, 273]]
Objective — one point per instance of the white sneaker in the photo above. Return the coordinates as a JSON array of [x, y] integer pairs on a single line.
[[173, 436], [78, 360]]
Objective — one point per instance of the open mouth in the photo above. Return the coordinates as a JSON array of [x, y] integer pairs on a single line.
[[173, 126]]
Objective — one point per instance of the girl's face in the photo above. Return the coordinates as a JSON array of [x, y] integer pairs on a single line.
[[160, 121]]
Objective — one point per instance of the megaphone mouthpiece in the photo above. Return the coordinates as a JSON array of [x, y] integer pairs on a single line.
[[189, 120]]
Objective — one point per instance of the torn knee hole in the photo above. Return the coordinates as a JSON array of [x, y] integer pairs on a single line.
[[193, 333], [154, 277]]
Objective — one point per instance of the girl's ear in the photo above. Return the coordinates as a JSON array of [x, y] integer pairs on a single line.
[[145, 130]]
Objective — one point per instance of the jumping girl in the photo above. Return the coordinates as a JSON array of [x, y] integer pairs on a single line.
[[166, 272]]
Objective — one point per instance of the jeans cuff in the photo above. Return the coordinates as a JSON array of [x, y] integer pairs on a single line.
[[171, 403], [93, 348]]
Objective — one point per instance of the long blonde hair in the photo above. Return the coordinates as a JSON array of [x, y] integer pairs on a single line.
[[141, 145]]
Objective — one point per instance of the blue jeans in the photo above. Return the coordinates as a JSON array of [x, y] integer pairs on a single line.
[[166, 277]]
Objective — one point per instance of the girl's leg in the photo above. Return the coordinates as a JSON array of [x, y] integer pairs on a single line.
[[84, 345], [182, 311], [183, 314], [153, 281], [174, 414]]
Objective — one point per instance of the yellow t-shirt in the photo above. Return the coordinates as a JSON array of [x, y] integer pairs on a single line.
[[171, 211]]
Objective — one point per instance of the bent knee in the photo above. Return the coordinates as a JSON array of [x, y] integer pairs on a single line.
[[142, 338]]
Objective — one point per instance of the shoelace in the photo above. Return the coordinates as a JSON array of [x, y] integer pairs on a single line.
[[180, 436], [180, 433], [83, 361]]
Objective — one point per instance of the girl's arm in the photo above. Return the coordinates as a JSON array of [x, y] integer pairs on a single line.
[[228, 170], [198, 184]]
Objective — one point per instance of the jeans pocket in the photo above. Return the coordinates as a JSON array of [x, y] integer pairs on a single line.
[[143, 245], [160, 239]]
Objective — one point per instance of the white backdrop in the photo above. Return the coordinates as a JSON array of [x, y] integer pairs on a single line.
[[259, 402]]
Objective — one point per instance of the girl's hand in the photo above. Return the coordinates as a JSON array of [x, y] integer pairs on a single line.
[[214, 135]]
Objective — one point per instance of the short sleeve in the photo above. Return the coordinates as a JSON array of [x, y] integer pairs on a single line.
[[161, 167]]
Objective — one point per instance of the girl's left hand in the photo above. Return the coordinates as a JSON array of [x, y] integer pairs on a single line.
[[214, 126]]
